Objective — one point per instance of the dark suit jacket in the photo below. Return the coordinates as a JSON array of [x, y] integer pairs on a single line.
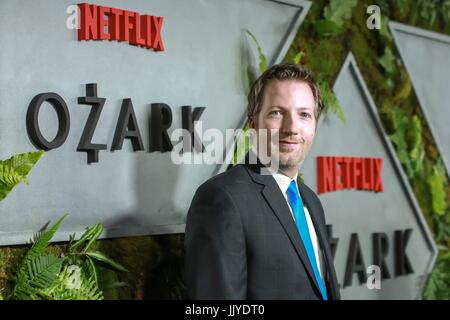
[[242, 243]]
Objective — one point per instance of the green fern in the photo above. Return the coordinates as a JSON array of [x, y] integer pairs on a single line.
[[42, 273], [37, 271], [262, 58], [43, 240], [14, 170], [242, 145], [64, 289], [73, 276], [330, 102]]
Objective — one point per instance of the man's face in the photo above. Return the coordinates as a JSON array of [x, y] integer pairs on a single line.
[[288, 113]]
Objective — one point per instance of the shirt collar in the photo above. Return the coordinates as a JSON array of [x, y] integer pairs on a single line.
[[283, 181]]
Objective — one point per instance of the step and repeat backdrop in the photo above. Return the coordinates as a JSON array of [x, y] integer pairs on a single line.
[[106, 98], [104, 86]]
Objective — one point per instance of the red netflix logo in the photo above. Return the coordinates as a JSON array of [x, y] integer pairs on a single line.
[[339, 173], [122, 25]]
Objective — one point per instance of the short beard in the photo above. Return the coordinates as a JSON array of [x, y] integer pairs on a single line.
[[290, 163], [294, 161]]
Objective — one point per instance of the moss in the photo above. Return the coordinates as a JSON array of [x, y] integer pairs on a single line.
[[11, 258], [367, 61], [325, 58], [149, 259], [139, 255]]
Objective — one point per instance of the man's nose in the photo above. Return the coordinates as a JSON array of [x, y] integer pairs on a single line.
[[290, 124]]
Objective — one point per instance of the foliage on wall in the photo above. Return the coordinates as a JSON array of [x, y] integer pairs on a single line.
[[390, 86]]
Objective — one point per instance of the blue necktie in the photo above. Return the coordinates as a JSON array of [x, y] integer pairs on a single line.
[[300, 220]]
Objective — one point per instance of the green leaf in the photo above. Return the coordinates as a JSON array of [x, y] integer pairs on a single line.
[[262, 57], [327, 28], [438, 287], [338, 11], [298, 57], [84, 237], [436, 182], [103, 258], [90, 236], [384, 30], [428, 10], [434, 283], [14, 170], [387, 61], [92, 269], [417, 152], [98, 229], [445, 10]]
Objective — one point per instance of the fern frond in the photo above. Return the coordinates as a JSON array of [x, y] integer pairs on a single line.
[[43, 240], [43, 271], [87, 290], [14, 170], [103, 258], [34, 264], [9, 178], [37, 274], [262, 58]]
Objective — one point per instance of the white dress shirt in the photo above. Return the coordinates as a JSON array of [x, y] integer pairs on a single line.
[[284, 182]]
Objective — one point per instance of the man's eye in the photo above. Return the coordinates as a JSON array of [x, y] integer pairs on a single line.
[[275, 113], [306, 115]]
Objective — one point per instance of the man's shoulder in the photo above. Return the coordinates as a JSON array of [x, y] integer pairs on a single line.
[[233, 179]]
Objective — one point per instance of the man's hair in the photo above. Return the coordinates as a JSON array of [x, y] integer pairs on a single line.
[[282, 71]]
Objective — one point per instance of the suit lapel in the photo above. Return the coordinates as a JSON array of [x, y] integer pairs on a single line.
[[276, 201]]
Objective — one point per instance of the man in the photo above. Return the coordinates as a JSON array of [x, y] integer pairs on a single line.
[[261, 235]]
